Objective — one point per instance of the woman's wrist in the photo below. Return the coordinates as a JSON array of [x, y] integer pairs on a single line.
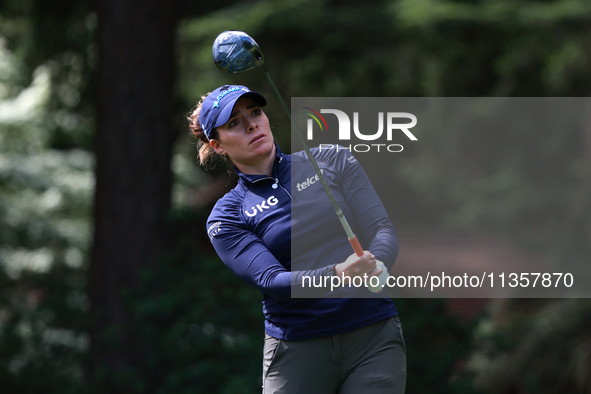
[[333, 270]]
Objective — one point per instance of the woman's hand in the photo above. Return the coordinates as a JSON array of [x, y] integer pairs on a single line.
[[358, 266]]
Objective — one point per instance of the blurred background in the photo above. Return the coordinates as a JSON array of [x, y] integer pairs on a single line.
[[108, 282]]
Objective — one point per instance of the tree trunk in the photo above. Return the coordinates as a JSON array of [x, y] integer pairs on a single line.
[[133, 177]]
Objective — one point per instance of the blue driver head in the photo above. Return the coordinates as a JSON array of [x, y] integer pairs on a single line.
[[235, 51]]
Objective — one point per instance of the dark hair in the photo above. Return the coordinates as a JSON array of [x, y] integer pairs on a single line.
[[208, 157]]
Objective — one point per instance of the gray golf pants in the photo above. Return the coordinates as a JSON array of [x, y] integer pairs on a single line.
[[369, 360]]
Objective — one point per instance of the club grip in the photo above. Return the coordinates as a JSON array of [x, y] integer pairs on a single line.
[[356, 246]]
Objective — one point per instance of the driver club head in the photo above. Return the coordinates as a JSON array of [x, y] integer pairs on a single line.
[[235, 51]]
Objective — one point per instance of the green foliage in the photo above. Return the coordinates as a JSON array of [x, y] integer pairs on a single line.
[[198, 327], [45, 198], [534, 346], [43, 325], [438, 346]]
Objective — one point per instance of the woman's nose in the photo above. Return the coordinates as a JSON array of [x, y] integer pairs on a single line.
[[252, 125]]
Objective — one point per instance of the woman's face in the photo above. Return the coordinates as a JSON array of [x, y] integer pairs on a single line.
[[246, 138]]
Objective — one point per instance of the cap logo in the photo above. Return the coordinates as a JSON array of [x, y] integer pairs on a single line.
[[216, 103]]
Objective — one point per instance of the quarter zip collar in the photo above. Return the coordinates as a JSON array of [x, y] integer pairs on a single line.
[[279, 168]]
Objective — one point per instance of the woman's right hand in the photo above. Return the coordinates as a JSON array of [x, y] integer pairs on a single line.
[[358, 266]]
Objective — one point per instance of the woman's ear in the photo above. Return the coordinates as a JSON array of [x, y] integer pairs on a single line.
[[215, 144]]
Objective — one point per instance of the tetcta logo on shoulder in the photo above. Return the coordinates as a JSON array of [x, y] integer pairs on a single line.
[[390, 126]]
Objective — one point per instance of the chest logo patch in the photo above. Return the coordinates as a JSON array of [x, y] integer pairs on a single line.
[[265, 204]]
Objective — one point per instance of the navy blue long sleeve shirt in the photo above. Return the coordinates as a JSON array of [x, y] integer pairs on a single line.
[[273, 230]]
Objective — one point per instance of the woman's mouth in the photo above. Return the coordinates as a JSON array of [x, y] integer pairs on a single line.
[[257, 138]]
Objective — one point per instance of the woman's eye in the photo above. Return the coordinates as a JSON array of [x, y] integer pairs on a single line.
[[233, 123], [257, 111]]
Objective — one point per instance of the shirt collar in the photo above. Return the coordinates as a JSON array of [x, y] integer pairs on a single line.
[[278, 168]]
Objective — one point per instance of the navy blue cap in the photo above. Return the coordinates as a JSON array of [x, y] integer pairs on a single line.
[[217, 106]]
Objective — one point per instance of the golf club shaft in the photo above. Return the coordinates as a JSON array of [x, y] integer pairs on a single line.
[[352, 238]]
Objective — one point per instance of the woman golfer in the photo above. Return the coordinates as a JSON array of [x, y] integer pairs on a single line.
[[340, 342]]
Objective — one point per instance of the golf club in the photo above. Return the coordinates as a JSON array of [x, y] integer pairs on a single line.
[[235, 51]]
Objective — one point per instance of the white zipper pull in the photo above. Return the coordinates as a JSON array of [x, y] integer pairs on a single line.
[[275, 185]]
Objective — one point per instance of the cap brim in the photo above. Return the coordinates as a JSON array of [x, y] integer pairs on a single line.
[[224, 116]]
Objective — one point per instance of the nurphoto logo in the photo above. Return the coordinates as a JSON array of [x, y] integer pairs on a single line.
[[390, 125]]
